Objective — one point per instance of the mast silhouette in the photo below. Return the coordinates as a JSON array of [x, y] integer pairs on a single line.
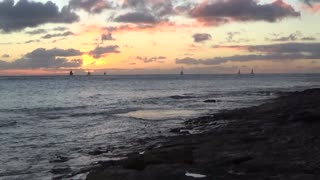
[[181, 72], [71, 73], [239, 72], [252, 73]]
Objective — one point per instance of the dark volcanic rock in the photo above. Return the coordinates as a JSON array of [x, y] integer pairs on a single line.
[[169, 155], [175, 130], [98, 151], [276, 140], [182, 97], [211, 101], [61, 170]]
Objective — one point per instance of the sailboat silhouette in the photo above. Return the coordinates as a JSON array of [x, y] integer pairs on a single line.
[[252, 73], [181, 72]]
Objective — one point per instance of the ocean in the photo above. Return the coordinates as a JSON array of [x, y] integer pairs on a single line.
[[57, 125]]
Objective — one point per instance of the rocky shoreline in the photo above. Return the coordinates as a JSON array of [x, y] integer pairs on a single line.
[[276, 140]]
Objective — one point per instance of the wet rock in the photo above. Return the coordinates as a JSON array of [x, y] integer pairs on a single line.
[[238, 159], [98, 151], [175, 130], [61, 170], [306, 116], [160, 156], [211, 101], [184, 131], [181, 97], [276, 140]]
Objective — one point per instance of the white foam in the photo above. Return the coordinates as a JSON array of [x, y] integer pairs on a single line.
[[194, 175], [161, 114]]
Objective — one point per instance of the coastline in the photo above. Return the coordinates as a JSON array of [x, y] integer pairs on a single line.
[[275, 140]]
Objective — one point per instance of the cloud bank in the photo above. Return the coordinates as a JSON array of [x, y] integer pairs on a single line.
[[90, 6], [273, 52], [45, 58], [221, 12], [16, 17]]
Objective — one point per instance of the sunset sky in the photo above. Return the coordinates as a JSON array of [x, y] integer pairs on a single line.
[[159, 36]]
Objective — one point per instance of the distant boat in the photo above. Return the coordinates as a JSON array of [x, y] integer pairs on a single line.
[[71, 73], [181, 72], [104, 73], [239, 72], [252, 73], [89, 74]]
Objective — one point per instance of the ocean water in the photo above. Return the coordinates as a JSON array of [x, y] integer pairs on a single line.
[[50, 126]]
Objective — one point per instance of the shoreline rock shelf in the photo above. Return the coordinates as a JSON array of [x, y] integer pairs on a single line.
[[276, 140]]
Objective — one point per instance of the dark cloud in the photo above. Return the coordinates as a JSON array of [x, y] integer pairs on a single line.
[[308, 39], [220, 12], [43, 58], [60, 28], [127, 27], [138, 4], [310, 50], [311, 2], [90, 6], [273, 52], [16, 17], [42, 31], [239, 58], [32, 41], [37, 31], [5, 56], [194, 61], [41, 53], [145, 11], [52, 62], [151, 59], [49, 36], [136, 17], [3, 64], [107, 37], [163, 8], [291, 37], [201, 37], [159, 8], [103, 51]]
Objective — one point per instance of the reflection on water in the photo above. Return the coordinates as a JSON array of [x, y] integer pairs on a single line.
[[53, 125]]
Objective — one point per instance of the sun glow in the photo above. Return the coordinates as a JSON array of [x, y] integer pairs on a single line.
[[88, 60]]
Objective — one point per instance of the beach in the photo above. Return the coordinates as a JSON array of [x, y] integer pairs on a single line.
[[60, 127], [276, 140]]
